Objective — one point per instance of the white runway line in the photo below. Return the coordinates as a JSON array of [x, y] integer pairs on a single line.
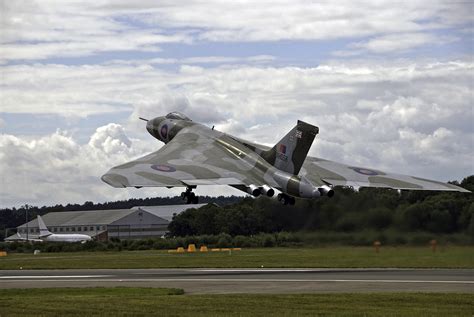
[[53, 279], [37, 277], [257, 270]]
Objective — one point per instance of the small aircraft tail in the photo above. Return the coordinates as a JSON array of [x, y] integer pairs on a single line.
[[43, 230], [289, 154]]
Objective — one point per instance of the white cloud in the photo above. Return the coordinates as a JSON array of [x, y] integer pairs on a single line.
[[257, 59], [401, 116], [281, 20], [34, 30], [400, 42], [57, 169], [111, 139]]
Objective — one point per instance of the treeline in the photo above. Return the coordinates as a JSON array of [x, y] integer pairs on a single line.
[[13, 217], [348, 211]]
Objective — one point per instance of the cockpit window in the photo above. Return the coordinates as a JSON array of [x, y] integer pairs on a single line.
[[177, 115]]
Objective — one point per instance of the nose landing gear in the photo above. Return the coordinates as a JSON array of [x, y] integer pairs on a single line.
[[189, 196], [285, 199]]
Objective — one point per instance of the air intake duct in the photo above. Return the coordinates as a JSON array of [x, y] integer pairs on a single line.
[[267, 190], [254, 190], [325, 190]]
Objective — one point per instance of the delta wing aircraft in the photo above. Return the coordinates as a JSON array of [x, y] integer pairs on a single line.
[[195, 155]]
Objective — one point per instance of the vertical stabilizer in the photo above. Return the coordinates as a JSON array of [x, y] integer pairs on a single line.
[[289, 154], [43, 230]]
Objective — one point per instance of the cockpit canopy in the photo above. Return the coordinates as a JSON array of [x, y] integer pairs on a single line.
[[177, 116]]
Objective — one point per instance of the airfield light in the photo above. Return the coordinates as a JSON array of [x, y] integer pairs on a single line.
[[433, 244], [377, 245]]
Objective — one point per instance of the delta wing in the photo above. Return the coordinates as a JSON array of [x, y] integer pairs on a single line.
[[320, 171], [195, 156]]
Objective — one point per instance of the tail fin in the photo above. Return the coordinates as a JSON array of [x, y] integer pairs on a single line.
[[289, 154], [43, 230]]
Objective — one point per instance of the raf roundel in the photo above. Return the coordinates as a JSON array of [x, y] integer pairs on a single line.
[[163, 168], [364, 171]]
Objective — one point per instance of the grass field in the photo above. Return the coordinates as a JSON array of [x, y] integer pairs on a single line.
[[347, 257], [169, 302]]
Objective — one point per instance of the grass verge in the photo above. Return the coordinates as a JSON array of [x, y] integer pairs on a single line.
[[169, 302], [333, 257]]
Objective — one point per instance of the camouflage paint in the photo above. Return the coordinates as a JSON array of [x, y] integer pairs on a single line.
[[197, 154]]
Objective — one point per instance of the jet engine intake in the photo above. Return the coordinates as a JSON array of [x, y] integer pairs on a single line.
[[254, 190], [325, 190], [267, 190]]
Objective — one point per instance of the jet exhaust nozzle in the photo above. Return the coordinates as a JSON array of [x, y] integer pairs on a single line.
[[325, 190], [254, 190], [267, 190]]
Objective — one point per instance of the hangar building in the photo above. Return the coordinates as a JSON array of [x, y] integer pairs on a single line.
[[135, 223]]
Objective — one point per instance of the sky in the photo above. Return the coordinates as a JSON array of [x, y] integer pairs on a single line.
[[389, 84]]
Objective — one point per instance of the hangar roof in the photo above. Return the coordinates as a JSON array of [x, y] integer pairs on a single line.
[[105, 217], [167, 211], [74, 218]]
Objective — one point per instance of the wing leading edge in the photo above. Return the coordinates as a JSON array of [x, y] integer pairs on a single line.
[[320, 171]]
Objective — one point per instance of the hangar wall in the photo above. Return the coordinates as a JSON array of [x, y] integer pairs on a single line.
[[135, 223]]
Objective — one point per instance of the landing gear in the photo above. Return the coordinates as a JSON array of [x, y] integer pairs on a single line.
[[189, 196], [285, 199]]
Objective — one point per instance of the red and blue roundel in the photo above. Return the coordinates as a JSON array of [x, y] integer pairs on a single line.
[[364, 171], [163, 168], [164, 131]]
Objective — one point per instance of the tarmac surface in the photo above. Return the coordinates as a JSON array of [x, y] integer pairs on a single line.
[[221, 281]]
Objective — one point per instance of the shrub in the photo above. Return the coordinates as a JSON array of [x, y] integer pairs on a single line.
[[241, 241], [224, 240], [268, 240]]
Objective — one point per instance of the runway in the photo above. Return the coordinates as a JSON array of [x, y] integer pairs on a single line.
[[221, 281]]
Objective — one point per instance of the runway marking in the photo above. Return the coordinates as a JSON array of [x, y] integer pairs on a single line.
[[293, 280], [53, 279], [24, 277], [258, 270]]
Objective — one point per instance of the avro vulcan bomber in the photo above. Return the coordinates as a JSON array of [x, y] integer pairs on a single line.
[[195, 155]]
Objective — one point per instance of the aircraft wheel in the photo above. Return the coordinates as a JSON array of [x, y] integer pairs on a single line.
[[291, 201], [279, 197], [191, 198]]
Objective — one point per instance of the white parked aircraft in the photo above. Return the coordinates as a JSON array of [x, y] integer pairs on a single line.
[[48, 236]]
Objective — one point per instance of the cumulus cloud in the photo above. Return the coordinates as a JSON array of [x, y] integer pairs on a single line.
[[57, 169], [111, 139], [406, 117]]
